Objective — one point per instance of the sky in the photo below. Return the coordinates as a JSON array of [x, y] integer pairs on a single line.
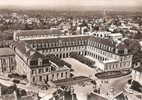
[[56, 3]]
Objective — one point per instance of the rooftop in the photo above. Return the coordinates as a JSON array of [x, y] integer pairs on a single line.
[[39, 31], [58, 61], [139, 69], [25, 49], [93, 96], [115, 34], [6, 52], [59, 39]]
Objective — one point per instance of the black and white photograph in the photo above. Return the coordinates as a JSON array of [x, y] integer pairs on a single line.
[[70, 49]]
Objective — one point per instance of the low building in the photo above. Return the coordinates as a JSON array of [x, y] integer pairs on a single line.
[[14, 93], [137, 74], [115, 36], [101, 34], [36, 34], [64, 94], [7, 60]]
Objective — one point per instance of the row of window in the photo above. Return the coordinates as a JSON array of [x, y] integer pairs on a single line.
[[104, 53], [101, 46], [43, 70], [63, 49], [40, 63], [47, 45], [117, 65], [101, 35], [5, 61], [42, 78], [96, 56]]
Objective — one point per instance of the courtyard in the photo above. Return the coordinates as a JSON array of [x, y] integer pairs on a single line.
[[80, 69]]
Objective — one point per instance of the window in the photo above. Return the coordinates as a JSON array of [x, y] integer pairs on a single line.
[[40, 70], [61, 74], [33, 79], [40, 78], [53, 68], [57, 75], [40, 61], [121, 51], [47, 78], [46, 69], [32, 71], [52, 76], [45, 61], [66, 74], [34, 62]]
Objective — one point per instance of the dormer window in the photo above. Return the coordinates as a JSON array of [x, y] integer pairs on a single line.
[[39, 62], [45, 61], [121, 51], [34, 62]]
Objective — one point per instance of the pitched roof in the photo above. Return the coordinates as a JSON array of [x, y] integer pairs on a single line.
[[139, 69], [27, 51], [33, 54], [93, 96], [58, 61], [121, 96], [58, 39], [104, 41], [39, 32], [121, 46], [6, 51]]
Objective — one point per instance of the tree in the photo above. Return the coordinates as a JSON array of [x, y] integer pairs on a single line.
[[134, 48]]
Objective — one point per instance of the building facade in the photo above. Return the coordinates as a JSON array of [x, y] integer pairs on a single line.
[[7, 60], [37, 67], [137, 74], [110, 54]]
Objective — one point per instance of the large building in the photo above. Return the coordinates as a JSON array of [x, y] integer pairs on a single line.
[[7, 60], [110, 54], [37, 67], [35, 57]]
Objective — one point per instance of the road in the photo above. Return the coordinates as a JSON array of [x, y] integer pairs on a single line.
[[79, 68]]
